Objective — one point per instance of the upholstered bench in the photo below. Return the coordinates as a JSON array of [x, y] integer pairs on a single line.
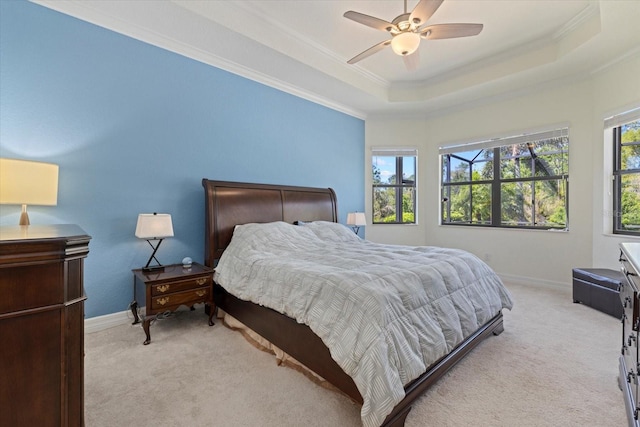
[[598, 288]]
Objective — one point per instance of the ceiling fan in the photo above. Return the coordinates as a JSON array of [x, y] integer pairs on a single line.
[[407, 30]]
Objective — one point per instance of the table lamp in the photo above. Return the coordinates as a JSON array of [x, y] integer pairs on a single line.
[[356, 220], [24, 182], [155, 227]]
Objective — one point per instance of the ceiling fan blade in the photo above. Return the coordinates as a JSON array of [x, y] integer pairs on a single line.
[[450, 31], [370, 21], [423, 11], [369, 52], [412, 61]]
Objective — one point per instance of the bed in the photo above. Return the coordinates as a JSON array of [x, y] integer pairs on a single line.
[[231, 204]]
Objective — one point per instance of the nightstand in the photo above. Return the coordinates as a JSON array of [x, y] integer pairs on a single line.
[[167, 289]]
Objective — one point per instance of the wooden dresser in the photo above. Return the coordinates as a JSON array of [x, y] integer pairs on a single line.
[[629, 361], [42, 325]]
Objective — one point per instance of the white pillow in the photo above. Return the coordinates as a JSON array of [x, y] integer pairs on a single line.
[[332, 231]]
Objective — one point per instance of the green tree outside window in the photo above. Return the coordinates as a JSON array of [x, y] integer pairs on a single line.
[[515, 182], [627, 178], [394, 187]]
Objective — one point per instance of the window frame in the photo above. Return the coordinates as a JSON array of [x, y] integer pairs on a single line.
[[615, 124], [496, 182], [399, 187]]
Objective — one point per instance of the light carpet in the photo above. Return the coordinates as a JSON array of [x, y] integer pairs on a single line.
[[555, 364]]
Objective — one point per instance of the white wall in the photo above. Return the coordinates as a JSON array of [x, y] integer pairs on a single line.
[[529, 255]]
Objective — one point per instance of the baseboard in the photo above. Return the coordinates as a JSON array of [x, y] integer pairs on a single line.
[[100, 323]]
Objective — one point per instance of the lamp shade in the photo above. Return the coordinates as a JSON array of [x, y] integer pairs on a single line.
[[405, 43], [23, 182], [154, 226], [356, 218]]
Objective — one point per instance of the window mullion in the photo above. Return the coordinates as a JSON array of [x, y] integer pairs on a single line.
[[617, 180], [496, 197], [399, 189]]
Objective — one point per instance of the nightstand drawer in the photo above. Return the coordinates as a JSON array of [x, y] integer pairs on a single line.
[[190, 297], [177, 286]]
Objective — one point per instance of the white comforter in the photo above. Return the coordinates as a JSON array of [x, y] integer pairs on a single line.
[[385, 312]]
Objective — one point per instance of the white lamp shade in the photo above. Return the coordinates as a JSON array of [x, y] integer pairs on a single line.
[[405, 43], [23, 182], [154, 226], [356, 218]]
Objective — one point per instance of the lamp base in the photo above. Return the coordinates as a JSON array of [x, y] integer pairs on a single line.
[[24, 216], [158, 267], [153, 269]]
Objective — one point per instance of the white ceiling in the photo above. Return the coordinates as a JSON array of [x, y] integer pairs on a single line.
[[302, 46]]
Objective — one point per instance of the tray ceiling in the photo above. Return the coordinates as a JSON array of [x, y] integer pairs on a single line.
[[302, 46]]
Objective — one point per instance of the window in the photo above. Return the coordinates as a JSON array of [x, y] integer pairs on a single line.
[[517, 182], [394, 186], [625, 131]]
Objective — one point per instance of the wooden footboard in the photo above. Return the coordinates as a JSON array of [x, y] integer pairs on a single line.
[[416, 388]]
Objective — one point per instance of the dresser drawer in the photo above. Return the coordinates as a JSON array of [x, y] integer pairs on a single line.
[[190, 297], [182, 285], [38, 285], [629, 360]]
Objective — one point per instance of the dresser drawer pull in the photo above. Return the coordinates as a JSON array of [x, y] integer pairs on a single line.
[[201, 281], [163, 288], [163, 301], [201, 293], [627, 300], [630, 340]]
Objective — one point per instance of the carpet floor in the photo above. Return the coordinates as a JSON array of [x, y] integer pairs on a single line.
[[556, 364]]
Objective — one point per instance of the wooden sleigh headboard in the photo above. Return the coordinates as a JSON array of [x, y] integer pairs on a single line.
[[228, 204]]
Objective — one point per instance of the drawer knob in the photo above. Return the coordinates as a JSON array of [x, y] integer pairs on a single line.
[[163, 301], [631, 340], [163, 288], [201, 293], [201, 281]]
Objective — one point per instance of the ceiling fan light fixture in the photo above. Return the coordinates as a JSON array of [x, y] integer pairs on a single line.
[[407, 29], [405, 44]]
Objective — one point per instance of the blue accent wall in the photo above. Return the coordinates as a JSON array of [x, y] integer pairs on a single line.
[[135, 128]]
